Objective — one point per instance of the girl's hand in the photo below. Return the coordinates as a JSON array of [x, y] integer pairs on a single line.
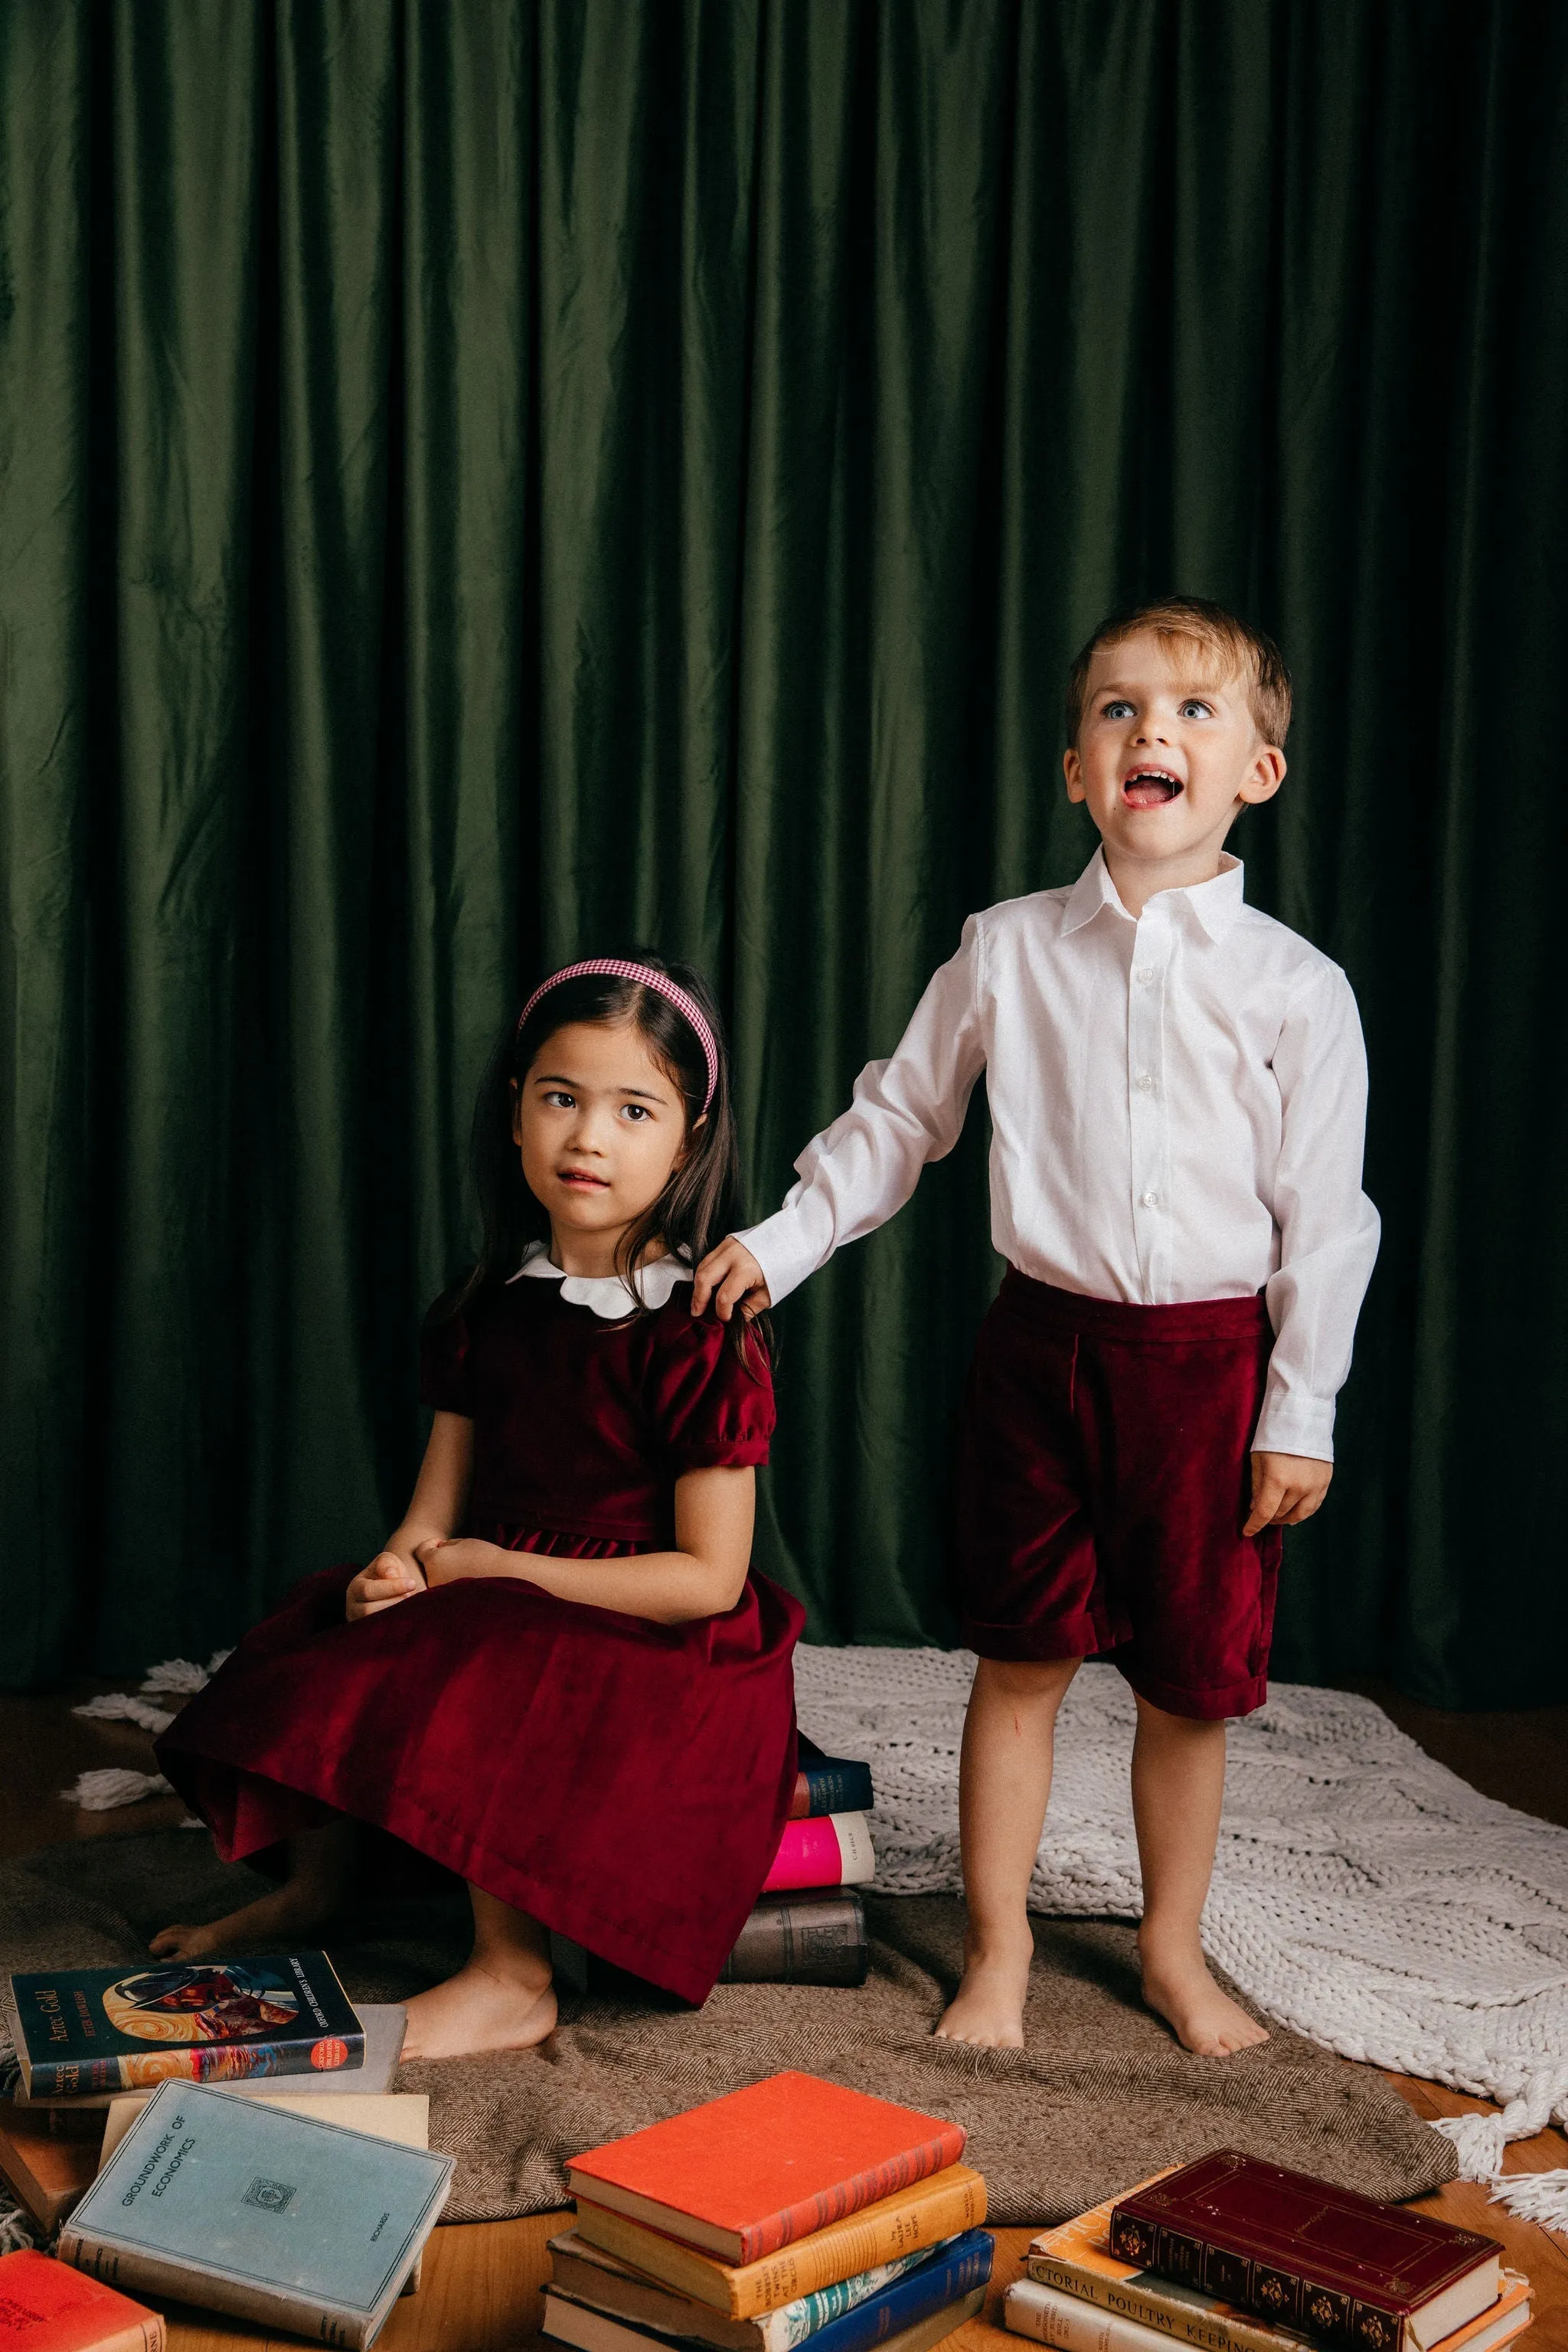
[[381, 1585], [444, 1562]]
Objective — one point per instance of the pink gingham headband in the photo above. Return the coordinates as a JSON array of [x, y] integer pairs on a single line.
[[612, 968]]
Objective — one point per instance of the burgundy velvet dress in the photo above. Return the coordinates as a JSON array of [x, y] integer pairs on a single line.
[[623, 1782]]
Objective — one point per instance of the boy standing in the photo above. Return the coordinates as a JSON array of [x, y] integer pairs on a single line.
[[1178, 1088]]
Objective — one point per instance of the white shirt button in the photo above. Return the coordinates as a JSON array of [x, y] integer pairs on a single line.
[[1144, 1083], [1144, 973], [1151, 1199]]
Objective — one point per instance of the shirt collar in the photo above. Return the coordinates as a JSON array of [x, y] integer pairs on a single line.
[[1216, 903], [606, 1294]]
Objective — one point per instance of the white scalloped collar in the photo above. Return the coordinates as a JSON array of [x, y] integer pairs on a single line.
[[606, 1294]]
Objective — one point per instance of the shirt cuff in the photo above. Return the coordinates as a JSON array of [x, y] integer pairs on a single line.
[[784, 1250], [1290, 1424]]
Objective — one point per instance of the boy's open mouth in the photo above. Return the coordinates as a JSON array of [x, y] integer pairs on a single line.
[[1150, 787]]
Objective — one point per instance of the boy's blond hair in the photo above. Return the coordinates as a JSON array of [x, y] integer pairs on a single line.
[[1246, 652]]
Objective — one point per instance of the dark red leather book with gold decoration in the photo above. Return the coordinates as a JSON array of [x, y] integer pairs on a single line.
[[1299, 2250]]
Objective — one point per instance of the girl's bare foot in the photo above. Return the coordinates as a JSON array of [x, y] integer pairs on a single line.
[[1178, 1986], [319, 1868], [483, 2007], [988, 2008], [272, 1922]]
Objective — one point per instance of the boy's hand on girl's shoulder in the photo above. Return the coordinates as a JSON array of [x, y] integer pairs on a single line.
[[1286, 1488], [730, 1276], [382, 1584]]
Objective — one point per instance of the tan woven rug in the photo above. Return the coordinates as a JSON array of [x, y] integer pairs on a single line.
[[1101, 2096]]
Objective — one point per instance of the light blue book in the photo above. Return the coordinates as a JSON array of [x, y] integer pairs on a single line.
[[248, 2208]]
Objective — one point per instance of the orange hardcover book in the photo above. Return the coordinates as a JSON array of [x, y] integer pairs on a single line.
[[746, 2173], [921, 2215], [47, 2306]]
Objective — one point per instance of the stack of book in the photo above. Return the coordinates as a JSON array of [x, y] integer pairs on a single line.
[[809, 1927], [1233, 2255], [300, 2193], [793, 2211], [92, 2043]]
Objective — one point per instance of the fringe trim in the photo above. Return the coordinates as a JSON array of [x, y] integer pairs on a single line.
[[114, 1784], [111, 1785], [19, 2233], [1479, 2142], [1538, 2197]]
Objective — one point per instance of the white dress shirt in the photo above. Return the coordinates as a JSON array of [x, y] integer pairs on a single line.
[[1178, 1106]]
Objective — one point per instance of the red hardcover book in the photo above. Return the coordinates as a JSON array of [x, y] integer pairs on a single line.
[[47, 2306], [1307, 2254], [742, 2175]]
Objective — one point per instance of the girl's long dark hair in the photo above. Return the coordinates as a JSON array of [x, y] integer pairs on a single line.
[[701, 1202]]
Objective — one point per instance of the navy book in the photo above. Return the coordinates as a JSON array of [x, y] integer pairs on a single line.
[[80, 2030], [952, 2273], [828, 1784]]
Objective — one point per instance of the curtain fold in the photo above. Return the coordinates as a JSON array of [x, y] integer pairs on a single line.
[[480, 485]]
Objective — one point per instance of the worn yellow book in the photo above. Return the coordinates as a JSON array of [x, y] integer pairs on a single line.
[[938, 2207]]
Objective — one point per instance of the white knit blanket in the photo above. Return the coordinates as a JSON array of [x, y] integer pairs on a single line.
[[1361, 1893]]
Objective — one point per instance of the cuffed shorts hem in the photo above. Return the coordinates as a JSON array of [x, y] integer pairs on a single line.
[[1214, 1704], [1043, 1645]]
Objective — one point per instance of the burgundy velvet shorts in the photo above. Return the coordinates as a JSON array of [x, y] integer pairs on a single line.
[[1104, 1478]]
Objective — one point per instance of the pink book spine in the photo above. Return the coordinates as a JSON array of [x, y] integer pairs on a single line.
[[808, 1856]]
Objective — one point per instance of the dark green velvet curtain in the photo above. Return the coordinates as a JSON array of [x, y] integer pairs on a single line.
[[483, 481]]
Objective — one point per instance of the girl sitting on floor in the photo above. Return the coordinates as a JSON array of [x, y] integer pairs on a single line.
[[560, 1677]]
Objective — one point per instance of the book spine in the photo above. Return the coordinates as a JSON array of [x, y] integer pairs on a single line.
[[854, 2245], [857, 2245], [793, 1941], [847, 2196], [69, 2078], [836, 1786], [939, 2326], [208, 2062], [1176, 2320], [148, 2335], [784, 2329], [857, 1856], [935, 2211], [1290, 2297], [937, 2282], [1069, 2325], [132, 2269]]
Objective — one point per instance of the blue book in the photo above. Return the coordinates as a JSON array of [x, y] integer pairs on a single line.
[[251, 2209], [953, 2270], [828, 1784], [81, 2032]]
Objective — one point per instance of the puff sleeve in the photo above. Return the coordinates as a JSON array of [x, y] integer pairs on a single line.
[[444, 1367], [711, 1402]]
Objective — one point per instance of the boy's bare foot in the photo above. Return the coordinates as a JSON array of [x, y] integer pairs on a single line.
[[481, 2008], [272, 1922], [988, 2008], [1179, 1988]]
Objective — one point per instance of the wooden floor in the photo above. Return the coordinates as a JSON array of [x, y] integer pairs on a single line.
[[482, 2289]]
